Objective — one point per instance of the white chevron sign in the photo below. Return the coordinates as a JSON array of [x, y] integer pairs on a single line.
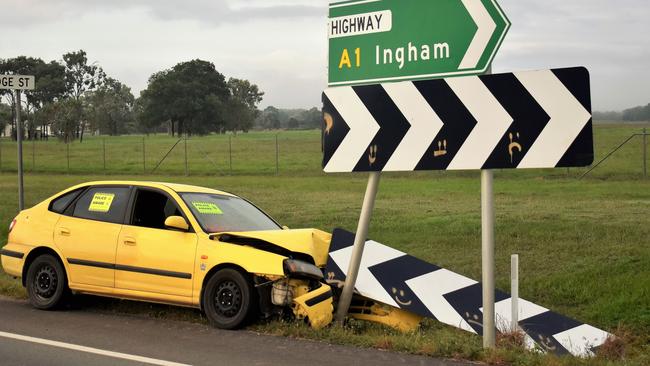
[[533, 119], [394, 278]]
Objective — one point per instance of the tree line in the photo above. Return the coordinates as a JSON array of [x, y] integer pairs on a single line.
[[73, 96], [636, 114]]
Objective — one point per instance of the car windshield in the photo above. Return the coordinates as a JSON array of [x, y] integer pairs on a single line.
[[219, 213]]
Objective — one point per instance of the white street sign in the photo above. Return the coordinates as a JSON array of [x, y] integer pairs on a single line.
[[17, 82]]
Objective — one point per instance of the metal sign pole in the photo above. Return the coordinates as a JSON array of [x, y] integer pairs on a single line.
[[487, 229], [359, 243], [19, 139]]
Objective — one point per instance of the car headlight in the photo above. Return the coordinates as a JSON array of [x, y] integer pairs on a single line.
[[300, 268]]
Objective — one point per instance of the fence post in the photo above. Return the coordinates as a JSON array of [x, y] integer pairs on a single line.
[[144, 157], [645, 153], [187, 170], [67, 153], [277, 155], [0, 155], [104, 152], [230, 152]]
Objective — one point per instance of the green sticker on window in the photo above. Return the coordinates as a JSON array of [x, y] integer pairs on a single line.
[[207, 208]]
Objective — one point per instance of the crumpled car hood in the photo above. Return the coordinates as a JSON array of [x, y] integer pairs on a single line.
[[312, 242]]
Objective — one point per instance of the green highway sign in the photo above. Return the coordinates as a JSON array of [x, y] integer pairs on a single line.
[[373, 41]]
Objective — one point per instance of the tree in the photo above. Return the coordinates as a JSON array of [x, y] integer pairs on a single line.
[[270, 118], [110, 107], [64, 115], [244, 98], [5, 117], [637, 114], [50, 87], [81, 77], [312, 118], [293, 123], [191, 97]]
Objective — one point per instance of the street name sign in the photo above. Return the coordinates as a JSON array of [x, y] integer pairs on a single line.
[[373, 41], [534, 119], [17, 82]]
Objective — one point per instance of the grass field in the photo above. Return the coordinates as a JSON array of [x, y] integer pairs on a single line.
[[299, 152], [584, 245]]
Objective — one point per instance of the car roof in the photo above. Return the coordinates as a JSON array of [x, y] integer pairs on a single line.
[[184, 188]]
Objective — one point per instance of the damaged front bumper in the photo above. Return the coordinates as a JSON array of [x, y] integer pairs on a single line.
[[308, 300], [316, 306]]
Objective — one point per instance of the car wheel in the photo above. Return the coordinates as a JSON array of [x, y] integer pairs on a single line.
[[46, 282], [228, 299]]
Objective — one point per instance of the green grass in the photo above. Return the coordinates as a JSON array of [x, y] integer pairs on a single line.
[[584, 245], [299, 152]]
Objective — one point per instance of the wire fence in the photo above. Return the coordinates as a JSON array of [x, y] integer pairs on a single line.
[[266, 153], [252, 153]]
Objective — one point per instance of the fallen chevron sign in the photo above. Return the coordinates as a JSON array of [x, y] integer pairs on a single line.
[[535, 119], [400, 280]]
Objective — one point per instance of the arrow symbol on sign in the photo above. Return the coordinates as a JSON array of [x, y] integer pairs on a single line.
[[367, 284], [486, 28], [430, 289], [568, 118], [492, 122], [425, 125], [363, 128]]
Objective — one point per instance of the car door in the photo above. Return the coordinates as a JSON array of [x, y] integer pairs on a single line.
[[87, 233], [150, 257]]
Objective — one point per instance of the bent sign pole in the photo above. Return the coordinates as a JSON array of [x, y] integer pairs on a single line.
[[359, 243], [18, 83]]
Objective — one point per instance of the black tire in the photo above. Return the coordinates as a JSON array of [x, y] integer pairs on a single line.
[[228, 299], [47, 283]]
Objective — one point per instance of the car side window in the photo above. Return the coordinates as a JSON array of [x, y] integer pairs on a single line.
[[60, 203], [103, 204], [152, 208]]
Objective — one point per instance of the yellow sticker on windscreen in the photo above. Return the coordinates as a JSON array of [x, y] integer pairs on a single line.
[[101, 202], [207, 208]]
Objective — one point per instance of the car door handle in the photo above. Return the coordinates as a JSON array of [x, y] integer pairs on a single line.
[[129, 241], [64, 231]]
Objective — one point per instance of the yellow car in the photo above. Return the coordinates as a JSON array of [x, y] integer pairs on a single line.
[[173, 244]]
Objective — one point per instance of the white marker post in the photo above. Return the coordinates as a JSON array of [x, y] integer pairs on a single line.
[[18, 83], [514, 291]]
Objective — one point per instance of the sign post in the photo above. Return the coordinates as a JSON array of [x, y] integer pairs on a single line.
[[18, 83], [487, 245]]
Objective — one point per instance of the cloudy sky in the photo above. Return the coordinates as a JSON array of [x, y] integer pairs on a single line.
[[281, 44]]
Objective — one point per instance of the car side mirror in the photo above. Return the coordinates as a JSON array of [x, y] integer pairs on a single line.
[[177, 222], [285, 227]]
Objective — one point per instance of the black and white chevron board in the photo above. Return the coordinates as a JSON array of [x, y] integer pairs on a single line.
[[534, 119], [394, 278]]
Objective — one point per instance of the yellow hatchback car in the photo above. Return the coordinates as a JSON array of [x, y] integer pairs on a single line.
[[169, 243]]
